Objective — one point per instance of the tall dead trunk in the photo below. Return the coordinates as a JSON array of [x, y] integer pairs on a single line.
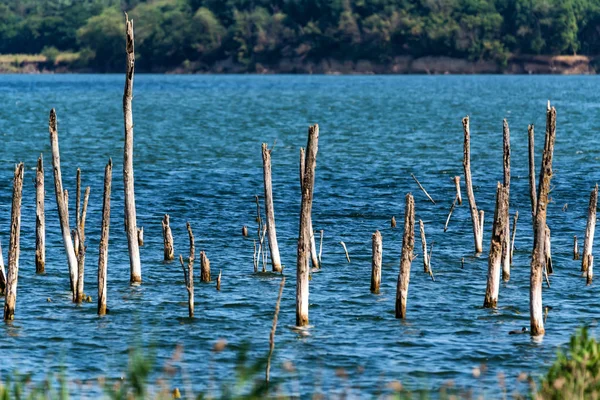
[[477, 223], [103, 251], [303, 254], [270, 210], [590, 229], [498, 242], [408, 244], [376, 262], [538, 256], [14, 245], [506, 224], [40, 219], [62, 201], [316, 261], [135, 266], [532, 190]]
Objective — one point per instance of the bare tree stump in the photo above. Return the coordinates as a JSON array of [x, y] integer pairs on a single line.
[[408, 244], [475, 215], [458, 193], [103, 250], [538, 256], [14, 248], [313, 249], [270, 210], [590, 270], [393, 222], [575, 249], [496, 246], [135, 266], [532, 189], [40, 219], [376, 262], [204, 267], [219, 281], [590, 229], [305, 232], [424, 247], [506, 167], [188, 273], [244, 231], [169, 251], [62, 201]]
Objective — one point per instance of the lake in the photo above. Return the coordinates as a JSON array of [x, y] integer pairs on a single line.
[[197, 157]]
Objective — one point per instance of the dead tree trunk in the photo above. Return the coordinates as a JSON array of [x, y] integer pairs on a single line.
[[14, 245], [590, 229], [316, 263], [408, 245], [188, 273], [204, 267], [62, 202], [305, 233], [477, 223], [590, 270], [496, 247], [376, 262], [80, 235], [270, 210], [40, 219], [424, 247], [103, 251], [538, 256], [506, 224], [532, 190], [135, 266], [169, 251]]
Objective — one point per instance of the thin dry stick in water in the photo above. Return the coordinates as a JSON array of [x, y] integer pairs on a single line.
[[376, 262], [219, 281], [255, 258], [538, 255], [429, 261], [62, 201], [458, 194], [408, 245], [103, 251], [422, 188], [40, 219], [273, 329], [345, 251], [303, 251], [450, 213], [424, 247], [575, 249], [14, 248], [135, 266], [514, 234], [532, 189], [476, 216], [320, 247], [188, 273], [264, 249]]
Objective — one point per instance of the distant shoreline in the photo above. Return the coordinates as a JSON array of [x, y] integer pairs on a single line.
[[515, 65]]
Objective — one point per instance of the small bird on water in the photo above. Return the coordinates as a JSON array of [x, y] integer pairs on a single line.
[[524, 330]]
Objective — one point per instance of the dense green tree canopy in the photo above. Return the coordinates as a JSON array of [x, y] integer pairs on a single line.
[[170, 33]]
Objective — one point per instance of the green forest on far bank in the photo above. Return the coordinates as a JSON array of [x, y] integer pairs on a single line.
[[196, 34]]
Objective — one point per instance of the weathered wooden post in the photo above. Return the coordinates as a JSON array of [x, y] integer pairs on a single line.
[[62, 201], [135, 266], [424, 247], [476, 216], [169, 251], [188, 273], [575, 249], [532, 189], [376, 262], [496, 247], [305, 233], [40, 219], [103, 250], [408, 244], [590, 229], [270, 210], [538, 256], [316, 261], [458, 194], [506, 167], [204, 267], [14, 245]]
